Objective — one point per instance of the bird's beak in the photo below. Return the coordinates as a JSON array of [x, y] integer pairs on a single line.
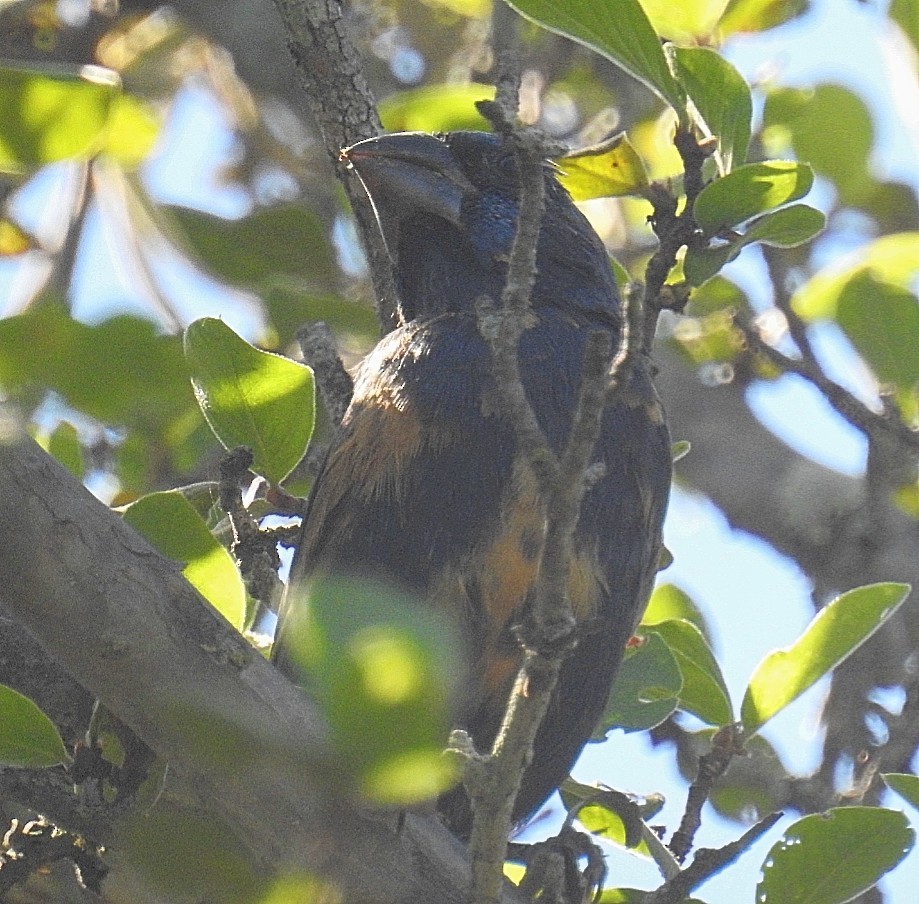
[[410, 171]]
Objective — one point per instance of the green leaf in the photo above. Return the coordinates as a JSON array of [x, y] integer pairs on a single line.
[[618, 30], [883, 323], [684, 21], [436, 108], [722, 97], [64, 444], [608, 170], [383, 669], [120, 371], [679, 450], [28, 738], [186, 857], [669, 601], [758, 15], [831, 857], [172, 525], [704, 692], [131, 131], [14, 239], [807, 122], [784, 228], [646, 690], [906, 14], [892, 259], [632, 896], [750, 190], [53, 115], [250, 397], [275, 244], [835, 633], [907, 786]]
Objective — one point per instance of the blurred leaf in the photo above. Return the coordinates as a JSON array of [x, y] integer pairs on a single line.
[[632, 896], [835, 632], [28, 738], [831, 857], [301, 889], [290, 306], [712, 339], [436, 108], [382, 668], [907, 786], [892, 259], [683, 21], [64, 444], [759, 15], [715, 297], [475, 9], [190, 858], [250, 397], [809, 120], [883, 323], [750, 190], [906, 14], [619, 31], [704, 692], [170, 523], [607, 170], [722, 97], [784, 228], [906, 498], [53, 115], [119, 371], [646, 690], [286, 241], [679, 450], [13, 238], [131, 131], [753, 786]]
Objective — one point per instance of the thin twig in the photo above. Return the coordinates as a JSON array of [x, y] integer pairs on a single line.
[[673, 230], [726, 744], [707, 862], [336, 88], [876, 426], [255, 552], [321, 353]]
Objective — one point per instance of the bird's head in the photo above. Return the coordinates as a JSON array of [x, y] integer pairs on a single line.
[[447, 207]]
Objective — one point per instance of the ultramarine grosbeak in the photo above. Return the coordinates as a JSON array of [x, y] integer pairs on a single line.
[[422, 488]]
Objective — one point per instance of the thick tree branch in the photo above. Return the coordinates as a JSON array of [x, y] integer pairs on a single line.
[[334, 84], [122, 620]]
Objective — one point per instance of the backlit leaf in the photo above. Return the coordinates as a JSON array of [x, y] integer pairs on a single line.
[[250, 397], [835, 632], [722, 97], [169, 521], [750, 190], [617, 29], [704, 692], [608, 170], [28, 738], [907, 786]]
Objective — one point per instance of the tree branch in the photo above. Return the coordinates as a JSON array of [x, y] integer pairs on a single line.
[[123, 621]]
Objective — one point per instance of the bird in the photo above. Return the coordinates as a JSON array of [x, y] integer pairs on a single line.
[[422, 487]]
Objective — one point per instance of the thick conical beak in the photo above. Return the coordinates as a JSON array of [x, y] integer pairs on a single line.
[[409, 172]]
